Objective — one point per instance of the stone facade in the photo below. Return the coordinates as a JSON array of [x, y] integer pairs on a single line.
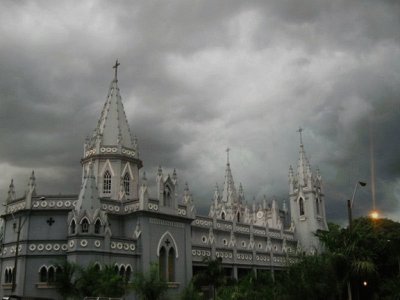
[[114, 220]]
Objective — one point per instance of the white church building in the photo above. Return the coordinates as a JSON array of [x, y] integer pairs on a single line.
[[115, 219]]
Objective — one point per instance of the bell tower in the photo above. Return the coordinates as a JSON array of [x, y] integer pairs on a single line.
[[112, 150], [307, 203]]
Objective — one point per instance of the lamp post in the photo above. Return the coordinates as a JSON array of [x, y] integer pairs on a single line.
[[350, 202]]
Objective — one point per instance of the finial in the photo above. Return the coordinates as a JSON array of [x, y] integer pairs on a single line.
[[227, 155], [116, 69], [301, 137]]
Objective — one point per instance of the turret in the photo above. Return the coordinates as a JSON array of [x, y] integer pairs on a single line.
[[307, 204], [112, 150]]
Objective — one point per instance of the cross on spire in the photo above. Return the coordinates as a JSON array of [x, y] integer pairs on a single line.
[[227, 155], [301, 137], [116, 68]]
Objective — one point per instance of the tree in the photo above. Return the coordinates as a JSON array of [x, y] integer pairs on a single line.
[[110, 283], [213, 275], [149, 286], [65, 282]]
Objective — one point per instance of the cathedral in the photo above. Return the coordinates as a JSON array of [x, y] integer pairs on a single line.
[[116, 219]]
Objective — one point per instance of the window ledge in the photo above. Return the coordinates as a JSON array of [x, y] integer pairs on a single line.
[[303, 218], [45, 285], [6, 286], [173, 285]]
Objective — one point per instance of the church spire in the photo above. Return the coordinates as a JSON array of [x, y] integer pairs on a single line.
[[303, 167], [112, 128], [229, 192], [89, 196]]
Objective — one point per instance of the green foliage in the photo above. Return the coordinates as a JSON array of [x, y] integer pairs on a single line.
[[78, 282], [149, 286], [313, 277], [191, 292], [369, 251], [110, 284], [65, 280], [213, 276]]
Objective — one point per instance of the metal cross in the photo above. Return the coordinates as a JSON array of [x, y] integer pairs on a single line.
[[50, 221], [167, 242], [301, 137], [116, 68]]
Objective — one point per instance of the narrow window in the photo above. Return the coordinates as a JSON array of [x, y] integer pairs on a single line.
[[317, 205], [301, 206], [73, 227], [51, 275], [127, 180], [97, 227], [238, 217], [107, 182], [97, 267], [43, 274], [223, 216], [163, 263], [128, 273], [171, 265], [6, 276], [122, 271], [85, 226]]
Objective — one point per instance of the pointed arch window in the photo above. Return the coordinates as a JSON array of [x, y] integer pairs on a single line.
[[162, 264], [107, 182], [127, 180], [223, 215], [73, 227], [128, 273], [301, 206], [238, 217], [171, 265], [317, 205], [43, 274], [85, 226], [51, 275], [97, 227], [167, 196]]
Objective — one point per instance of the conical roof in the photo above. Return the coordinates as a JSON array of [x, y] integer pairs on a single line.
[[113, 128], [229, 192], [89, 195]]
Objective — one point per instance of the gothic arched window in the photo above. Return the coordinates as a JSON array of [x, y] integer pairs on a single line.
[[73, 227], [171, 265], [301, 206], [97, 227], [128, 273], [51, 275], [238, 217], [167, 196], [223, 216], [43, 274], [317, 205], [85, 226], [107, 182], [163, 263], [127, 180]]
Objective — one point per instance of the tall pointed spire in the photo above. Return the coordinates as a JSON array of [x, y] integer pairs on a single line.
[[11, 191], [113, 128], [229, 192], [89, 196], [303, 167]]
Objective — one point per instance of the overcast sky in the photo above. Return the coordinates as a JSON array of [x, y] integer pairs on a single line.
[[197, 77]]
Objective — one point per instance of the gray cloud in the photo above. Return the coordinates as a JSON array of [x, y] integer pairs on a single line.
[[199, 76]]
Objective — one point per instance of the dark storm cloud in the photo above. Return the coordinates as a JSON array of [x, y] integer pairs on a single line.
[[198, 76]]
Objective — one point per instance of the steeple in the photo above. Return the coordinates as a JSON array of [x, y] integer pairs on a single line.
[[89, 195], [229, 192], [112, 128], [303, 167], [11, 191]]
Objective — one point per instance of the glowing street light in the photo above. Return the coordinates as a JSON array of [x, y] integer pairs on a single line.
[[374, 215]]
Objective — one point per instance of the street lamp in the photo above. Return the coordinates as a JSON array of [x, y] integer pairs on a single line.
[[350, 202]]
